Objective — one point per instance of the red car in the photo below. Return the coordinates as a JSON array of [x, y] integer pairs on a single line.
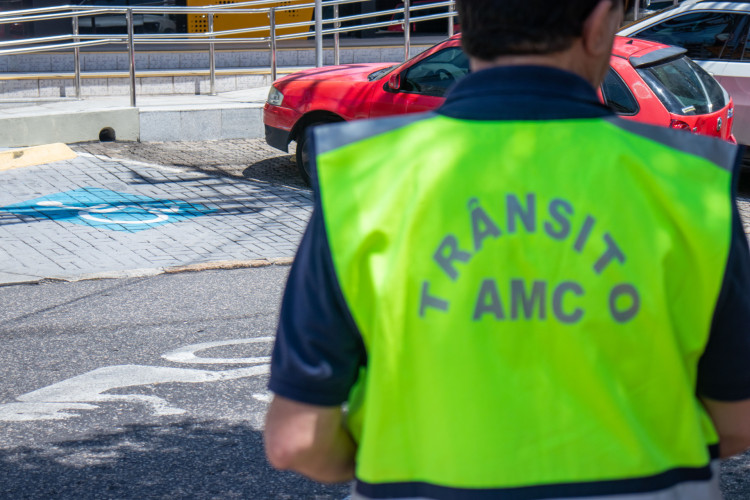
[[647, 82]]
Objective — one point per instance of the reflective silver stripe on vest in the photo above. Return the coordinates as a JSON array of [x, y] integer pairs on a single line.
[[712, 149], [335, 135], [689, 490]]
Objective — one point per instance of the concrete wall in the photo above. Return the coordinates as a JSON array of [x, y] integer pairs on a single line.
[[68, 127]]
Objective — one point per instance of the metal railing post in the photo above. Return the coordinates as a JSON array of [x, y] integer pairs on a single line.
[[211, 54], [407, 29], [637, 10], [272, 33], [131, 54], [77, 58], [336, 44], [318, 33], [451, 8]]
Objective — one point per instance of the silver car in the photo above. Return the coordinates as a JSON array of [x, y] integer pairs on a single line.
[[715, 35]]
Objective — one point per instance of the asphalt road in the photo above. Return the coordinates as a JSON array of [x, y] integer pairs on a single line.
[[91, 407]]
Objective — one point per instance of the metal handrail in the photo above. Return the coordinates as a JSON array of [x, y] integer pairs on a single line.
[[211, 37]]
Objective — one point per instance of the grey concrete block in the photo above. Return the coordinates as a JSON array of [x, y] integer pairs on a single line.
[[367, 56], [30, 62], [250, 81], [104, 61], [194, 60], [395, 54], [62, 62], [93, 86], [4, 64], [227, 59], [286, 57], [57, 88], [123, 61], [242, 123], [141, 61], [186, 85], [163, 60], [204, 85], [226, 83], [347, 56], [258, 58], [42, 62], [19, 88], [68, 127], [153, 85], [199, 125], [160, 126], [306, 58], [119, 86]]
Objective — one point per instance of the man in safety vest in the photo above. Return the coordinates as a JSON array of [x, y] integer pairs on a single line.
[[518, 295]]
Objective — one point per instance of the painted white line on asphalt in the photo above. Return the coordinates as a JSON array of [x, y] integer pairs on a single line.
[[86, 391], [187, 354], [263, 397], [142, 164]]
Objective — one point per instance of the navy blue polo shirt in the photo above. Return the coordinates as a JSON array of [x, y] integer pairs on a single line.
[[319, 351]]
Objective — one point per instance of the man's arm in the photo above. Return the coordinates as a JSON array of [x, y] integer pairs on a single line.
[[732, 422], [310, 440]]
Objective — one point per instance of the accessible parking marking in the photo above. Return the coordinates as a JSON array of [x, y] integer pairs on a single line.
[[108, 209]]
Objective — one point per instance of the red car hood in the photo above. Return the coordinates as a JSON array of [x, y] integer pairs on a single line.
[[344, 73]]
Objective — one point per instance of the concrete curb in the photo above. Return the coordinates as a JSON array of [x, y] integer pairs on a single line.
[[155, 271], [69, 127]]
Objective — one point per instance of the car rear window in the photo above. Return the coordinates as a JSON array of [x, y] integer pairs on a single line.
[[684, 87]]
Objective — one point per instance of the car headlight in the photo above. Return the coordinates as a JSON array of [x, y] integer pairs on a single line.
[[274, 97]]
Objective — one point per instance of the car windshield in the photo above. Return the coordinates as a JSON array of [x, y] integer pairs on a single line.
[[684, 87]]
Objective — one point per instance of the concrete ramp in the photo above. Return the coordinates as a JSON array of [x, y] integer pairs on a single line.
[[229, 115]]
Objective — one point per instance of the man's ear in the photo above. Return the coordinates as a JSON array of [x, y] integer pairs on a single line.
[[600, 27]]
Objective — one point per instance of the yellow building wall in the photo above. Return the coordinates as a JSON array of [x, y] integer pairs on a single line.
[[198, 23]]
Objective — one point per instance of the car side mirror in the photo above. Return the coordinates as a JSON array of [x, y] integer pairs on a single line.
[[394, 82]]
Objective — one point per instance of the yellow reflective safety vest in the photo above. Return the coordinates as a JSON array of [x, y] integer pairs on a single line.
[[533, 305]]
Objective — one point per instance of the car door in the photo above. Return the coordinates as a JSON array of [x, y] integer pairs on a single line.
[[717, 41], [422, 85]]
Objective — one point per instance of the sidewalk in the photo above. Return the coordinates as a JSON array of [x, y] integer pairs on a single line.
[[95, 216], [160, 113]]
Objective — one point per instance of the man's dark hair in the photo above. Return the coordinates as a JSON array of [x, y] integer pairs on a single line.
[[494, 28]]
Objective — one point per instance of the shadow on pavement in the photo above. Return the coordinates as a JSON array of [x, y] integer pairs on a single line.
[[249, 159], [183, 460]]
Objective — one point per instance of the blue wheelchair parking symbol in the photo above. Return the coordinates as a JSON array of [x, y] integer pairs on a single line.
[[108, 209]]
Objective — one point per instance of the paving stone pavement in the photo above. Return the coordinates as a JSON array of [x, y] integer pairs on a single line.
[[234, 202], [109, 211]]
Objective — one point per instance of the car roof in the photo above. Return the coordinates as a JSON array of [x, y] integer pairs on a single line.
[[686, 6]]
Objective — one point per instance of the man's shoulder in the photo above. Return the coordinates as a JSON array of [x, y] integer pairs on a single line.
[[335, 135], [720, 152]]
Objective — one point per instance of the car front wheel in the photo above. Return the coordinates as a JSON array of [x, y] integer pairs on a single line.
[[302, 155]]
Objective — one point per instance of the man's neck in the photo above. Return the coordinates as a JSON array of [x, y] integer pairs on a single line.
[[569, 60]]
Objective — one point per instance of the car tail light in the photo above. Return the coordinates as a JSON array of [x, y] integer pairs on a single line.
[[679, 125]]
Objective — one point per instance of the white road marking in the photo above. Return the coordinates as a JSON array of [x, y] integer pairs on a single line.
[[143, 164], [187, 354], [264, 397], [62, 400], [105, 208]]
